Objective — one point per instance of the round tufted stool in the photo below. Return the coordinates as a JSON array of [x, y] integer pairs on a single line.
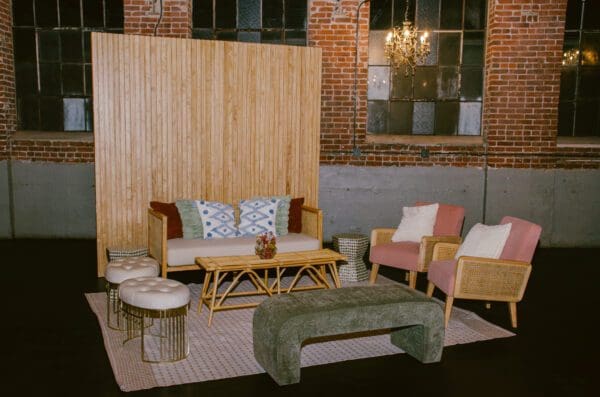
[[118, 271], [159, 299]]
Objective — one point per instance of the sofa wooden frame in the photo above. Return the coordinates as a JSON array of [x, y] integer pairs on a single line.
[[312, 225]]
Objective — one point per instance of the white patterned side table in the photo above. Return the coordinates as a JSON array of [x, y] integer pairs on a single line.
[[354, 246]]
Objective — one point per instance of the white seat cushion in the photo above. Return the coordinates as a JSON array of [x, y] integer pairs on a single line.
[[184, 252], [122, 269], [154, 293]]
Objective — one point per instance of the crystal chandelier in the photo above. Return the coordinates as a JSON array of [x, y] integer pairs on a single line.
[[571, 57], [404, 46]]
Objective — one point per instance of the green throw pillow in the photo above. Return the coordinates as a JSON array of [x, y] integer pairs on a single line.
[[190, 219], [283, 214]]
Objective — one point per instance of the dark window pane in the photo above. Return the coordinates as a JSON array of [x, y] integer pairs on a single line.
[[475, 14], [471, 83], [29, 116], [227, 36], [447, 84], [50, 78], [24, 42], [400, 11], [48, 46], [571, 49], [87, 46], [567, 83], [46, 13], [295, 14], [26, 76], [400, 118], [380, 14], [587, 118], [573, 14], [71, 46], [449, 48], [225, 12], [202, 14], [51, 114], [114, 13], [89, 114], [451, 17], [72, 79], [88, 80], [22, 12], [205, 34], [591, 13], [425, 82], [272, 14], [428, 14], [565, 119], [423, 117], [589, 83], [74, 114], [377, 117], [446, 118], [70, 13], [295, 38], [93, 14], [249, 14], [271, 37], [590, 48], [472, 48], [249, 37], [401, 85]]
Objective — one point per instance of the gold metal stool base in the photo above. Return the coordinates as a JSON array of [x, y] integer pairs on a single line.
[[114, 315], [164, 340]]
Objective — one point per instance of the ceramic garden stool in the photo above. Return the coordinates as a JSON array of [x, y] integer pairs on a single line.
[[164, 302], [118, 271], [354, 246]]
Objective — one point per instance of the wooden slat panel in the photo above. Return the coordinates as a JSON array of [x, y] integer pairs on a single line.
[[178, 118]]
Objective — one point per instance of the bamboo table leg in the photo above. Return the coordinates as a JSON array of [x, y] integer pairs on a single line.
[[205, 286], [334, 274], [213, 297]]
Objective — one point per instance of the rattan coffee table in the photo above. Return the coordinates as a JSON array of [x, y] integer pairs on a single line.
[[311, 263]]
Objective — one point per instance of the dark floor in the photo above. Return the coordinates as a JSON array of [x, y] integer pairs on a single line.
[[52, 345]]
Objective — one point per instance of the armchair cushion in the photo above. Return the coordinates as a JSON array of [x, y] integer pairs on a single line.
[[449, 219], [443, 275], [416, 222], [522, 240], [403, 255], [484, 241]]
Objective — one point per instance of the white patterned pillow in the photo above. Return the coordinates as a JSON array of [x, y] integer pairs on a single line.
[[258, 216], [484, 241], [218, 219]]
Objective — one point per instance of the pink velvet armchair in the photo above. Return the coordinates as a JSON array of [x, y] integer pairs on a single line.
[[503, 279], [411, 256]]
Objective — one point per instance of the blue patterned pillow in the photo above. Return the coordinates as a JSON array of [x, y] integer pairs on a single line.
[[218, 220], [283, 210], [258, 216]]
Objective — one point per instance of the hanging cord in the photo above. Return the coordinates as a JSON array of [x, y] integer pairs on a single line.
[[160, 17], [406, 10], [356, 149]]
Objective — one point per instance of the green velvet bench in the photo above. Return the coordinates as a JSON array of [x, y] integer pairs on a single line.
[[281, 323]]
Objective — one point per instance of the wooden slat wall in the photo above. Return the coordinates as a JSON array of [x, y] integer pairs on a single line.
[[180, 118]]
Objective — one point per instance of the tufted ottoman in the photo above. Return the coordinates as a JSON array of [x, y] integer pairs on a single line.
[[160, 299], [118, 271]]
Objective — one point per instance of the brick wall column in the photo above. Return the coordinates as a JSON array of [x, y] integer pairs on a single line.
[[141, 17], [7, 79], [523, 60]]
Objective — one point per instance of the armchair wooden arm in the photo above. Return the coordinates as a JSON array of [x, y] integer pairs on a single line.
[[428, 244], [491, 279], [312, 223], [381, 236], [157, 238], [444, 251]]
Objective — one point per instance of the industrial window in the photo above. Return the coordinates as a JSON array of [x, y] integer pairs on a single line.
[[255, 21], [444, 96], [53, 60], [579, 108]]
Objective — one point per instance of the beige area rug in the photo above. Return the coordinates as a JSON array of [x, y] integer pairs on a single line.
[[225, 349]]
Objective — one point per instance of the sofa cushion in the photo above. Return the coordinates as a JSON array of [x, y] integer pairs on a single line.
[[174, 226], [258, 216], [183, 251], [218, 220], [283, 210], [190, 219], [295, 215]]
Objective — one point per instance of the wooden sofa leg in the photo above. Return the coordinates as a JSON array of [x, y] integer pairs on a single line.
[[512, 308], [412, 279], [430, 288], [448, 310], [374, 270]]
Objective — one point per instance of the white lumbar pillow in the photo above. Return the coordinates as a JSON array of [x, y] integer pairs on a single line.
[[484, 241], [416, 222]]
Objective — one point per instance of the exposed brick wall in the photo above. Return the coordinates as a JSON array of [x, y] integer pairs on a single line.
[[7, 79], [141, 17], [56, 151]]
